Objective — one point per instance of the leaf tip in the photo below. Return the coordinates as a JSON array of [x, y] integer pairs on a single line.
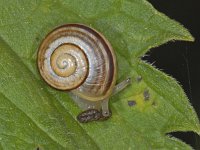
[[191, 38], [187, 36]]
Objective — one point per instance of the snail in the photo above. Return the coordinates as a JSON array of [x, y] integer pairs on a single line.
[[79, 59]]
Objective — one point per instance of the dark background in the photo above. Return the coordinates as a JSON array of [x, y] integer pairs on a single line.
[[181, 59]]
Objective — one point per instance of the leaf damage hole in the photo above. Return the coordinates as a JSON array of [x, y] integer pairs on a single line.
[[139, 79], [131, 103], [146, 95]]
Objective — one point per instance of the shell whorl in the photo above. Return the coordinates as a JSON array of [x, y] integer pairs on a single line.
[[77, 58]]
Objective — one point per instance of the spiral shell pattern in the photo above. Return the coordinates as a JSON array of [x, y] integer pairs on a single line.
[[78, 58]]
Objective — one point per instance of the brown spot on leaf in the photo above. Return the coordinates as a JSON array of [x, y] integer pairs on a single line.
[[37, 38], [154, 103]]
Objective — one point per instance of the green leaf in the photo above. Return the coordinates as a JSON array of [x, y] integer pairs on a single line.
[[33, 115]]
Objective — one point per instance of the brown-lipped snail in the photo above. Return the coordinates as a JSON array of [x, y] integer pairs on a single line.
[[79, 59]]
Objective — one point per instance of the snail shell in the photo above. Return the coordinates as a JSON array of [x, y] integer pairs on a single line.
[[77, 58]]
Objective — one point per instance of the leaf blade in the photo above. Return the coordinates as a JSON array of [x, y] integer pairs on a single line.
[[35, 102], [126, 20]]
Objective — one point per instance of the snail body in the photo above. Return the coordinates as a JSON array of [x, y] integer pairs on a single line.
[[77, 58]]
